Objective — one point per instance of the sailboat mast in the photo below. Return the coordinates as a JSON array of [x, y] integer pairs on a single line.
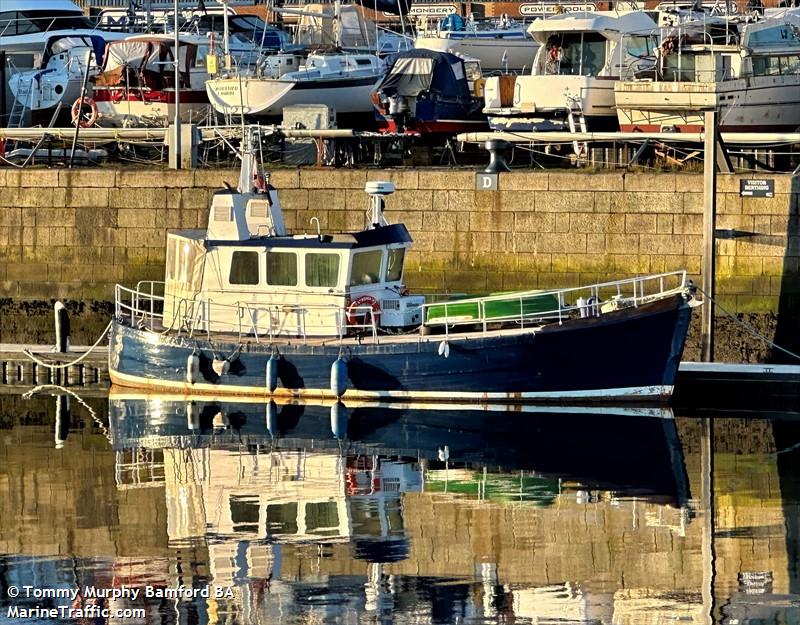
[[177, 60]]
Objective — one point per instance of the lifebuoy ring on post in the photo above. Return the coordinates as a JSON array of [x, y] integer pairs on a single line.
[[357, 314], [79, 114]]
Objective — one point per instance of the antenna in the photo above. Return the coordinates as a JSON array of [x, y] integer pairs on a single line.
[[377, 192]]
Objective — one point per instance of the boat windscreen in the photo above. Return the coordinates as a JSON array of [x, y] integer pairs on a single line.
[[409, 76], [58, 45]]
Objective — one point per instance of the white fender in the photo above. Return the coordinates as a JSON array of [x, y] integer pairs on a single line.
[[192, 368]]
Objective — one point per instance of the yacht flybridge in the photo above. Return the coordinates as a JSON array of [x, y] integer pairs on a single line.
[[248, 308]]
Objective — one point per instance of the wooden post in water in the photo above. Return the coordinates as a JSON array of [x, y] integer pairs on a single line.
[[62, 328], [62, 420], [709, 225], [708, 509]]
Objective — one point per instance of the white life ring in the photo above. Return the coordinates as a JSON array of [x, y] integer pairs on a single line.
[[356, 315], [79, 118]]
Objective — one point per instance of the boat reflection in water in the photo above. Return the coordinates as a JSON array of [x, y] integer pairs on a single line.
[[319, 511], [293, 514]]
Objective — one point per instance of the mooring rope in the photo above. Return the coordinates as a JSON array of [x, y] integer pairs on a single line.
[[49, 387], [48, 365], [748, 327]]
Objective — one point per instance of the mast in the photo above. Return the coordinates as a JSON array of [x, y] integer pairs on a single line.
[[177, 59]]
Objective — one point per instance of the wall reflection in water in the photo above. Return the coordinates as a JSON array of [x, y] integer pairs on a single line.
[[331, 514]]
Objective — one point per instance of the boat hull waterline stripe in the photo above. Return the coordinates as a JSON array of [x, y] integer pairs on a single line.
[[630, 393]]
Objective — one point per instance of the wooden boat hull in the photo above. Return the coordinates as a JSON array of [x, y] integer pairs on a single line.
[[629, 354]]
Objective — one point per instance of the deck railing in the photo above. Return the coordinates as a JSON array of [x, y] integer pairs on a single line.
[[144, 307], [582, 301]]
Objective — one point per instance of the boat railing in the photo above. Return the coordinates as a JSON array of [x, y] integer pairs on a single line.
[[147, 307], [536, 307]]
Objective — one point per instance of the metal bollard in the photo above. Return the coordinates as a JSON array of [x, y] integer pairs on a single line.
[[497, 158]]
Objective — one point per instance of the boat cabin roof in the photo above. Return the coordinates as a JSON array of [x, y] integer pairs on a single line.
[[610, 24], [383, 235]]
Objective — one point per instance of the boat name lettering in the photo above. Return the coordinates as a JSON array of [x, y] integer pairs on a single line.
[[229, 89]]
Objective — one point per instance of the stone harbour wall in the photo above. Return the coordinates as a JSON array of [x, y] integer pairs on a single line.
[[74, 234]]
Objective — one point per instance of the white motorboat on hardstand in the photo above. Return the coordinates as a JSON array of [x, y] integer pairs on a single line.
[[753, 82], [582, 55], [499, 45], [59, 77], [342, 81], [247, 308], [42, 68]]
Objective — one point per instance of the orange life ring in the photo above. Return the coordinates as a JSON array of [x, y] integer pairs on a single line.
[[553, 54], [356, 316], [78, 116]]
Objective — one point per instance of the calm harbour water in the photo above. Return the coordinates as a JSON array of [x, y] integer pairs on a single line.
[[294, 514]]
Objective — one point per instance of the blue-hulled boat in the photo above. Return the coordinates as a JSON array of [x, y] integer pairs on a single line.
[[247, 308], [430, 92]]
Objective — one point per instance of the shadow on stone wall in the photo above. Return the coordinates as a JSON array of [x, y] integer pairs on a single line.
[[787, 332]]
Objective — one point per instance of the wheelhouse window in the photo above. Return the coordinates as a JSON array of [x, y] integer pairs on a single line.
[[244, 513], [322, 269], [282, 519], [578, 54], [641, 46], [366, 267], [172, 258], [282, 268], [394, 266], [244, 268], [679, 67], [322, 518]]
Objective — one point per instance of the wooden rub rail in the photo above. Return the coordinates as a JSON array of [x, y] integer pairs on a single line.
[[16, 369]]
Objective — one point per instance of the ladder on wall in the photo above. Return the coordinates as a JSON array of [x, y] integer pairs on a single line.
[[577, 123], [22, 102]]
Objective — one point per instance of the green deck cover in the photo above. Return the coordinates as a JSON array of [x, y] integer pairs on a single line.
[[495, 309]]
